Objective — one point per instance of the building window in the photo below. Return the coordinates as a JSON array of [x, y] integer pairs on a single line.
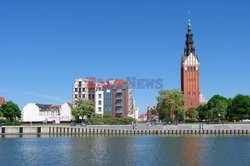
[[75, 96], [83, 96], [75, 89], [83, 89], [89, 96], [99, 109], [99, 102], [93, 96], [99, 96], [119, 95], [79, 96]]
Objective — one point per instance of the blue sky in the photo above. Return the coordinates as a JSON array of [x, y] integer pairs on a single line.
[[45, 45]]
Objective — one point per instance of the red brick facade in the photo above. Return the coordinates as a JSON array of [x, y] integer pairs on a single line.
[[190, 86]]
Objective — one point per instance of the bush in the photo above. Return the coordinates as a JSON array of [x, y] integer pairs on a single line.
[[190, 120], [9, 122], [168, 120]]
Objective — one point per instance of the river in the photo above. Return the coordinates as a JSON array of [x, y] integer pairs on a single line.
[[126, 150]]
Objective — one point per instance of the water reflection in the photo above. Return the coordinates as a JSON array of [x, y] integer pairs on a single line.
[[124, 150]]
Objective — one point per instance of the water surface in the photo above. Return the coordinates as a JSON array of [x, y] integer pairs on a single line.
[[126, 150]]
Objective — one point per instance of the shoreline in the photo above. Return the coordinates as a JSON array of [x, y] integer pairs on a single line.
[[128, 129]]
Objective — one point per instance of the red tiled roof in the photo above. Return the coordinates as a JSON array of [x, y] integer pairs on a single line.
[[142, 116], [55, 107], [2, 100], [119, 81]]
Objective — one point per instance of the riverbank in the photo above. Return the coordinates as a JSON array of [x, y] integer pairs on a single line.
[[128, 129]]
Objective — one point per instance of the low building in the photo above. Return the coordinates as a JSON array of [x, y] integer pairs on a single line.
[[47, 113], [150, 116], [203, 100], [143, 118], [2, 100]]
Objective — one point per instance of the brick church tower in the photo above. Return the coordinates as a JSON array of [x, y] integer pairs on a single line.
[[190, 67]]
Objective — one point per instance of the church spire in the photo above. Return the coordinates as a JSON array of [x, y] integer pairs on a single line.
[[189, 48]]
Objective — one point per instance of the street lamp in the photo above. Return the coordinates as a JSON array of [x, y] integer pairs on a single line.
[[219, 117]]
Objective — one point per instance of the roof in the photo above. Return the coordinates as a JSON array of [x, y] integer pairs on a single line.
[[2, 100], [55, 107], [142, 115], [70, 105]]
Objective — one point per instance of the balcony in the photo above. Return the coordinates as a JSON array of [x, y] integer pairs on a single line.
[[118, 104]]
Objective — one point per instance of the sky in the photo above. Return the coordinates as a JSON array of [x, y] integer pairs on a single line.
[[46, 44]]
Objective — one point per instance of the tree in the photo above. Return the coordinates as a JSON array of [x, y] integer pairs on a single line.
[[170, 103], [83, 107], [239, 107], [10, 110], [192, 113], [217, 108], [202, 111]]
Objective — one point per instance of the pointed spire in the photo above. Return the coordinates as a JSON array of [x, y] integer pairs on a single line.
[[189, 48], [189, 23]]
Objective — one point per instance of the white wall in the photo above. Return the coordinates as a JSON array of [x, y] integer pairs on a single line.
[[31, 113], [65, 112], [97, 99]]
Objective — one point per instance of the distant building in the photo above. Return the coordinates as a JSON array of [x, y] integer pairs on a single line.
[[46, 112], [150, 116], [2, 100], [190, 73], [142, 117], [203, 100]]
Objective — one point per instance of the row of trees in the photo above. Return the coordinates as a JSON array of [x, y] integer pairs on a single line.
[[170, 106], [221, 108]]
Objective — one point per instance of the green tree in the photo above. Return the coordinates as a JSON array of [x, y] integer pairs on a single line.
[[202, 112], [192, 113], [170, 103], [83, 107], [217, 108], [239, 107], [10, 110]]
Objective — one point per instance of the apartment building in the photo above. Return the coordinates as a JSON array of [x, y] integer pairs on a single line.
[[112, 97], [83, 89]]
